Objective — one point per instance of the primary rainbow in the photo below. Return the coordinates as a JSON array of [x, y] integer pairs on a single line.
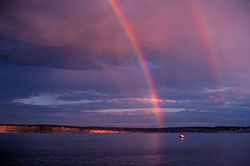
[[135, 43]]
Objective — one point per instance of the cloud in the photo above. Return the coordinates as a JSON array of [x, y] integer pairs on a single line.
[[223, 89], [51, 100], [87, 34], [61, 58], [62, 34], [133, 111], [76, 98], [30, 53], [141, 100]]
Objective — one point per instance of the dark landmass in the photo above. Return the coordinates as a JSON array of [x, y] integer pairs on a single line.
[[11, 128]]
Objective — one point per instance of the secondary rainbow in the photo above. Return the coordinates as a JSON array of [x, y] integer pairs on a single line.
[[207, 41], [135, 43]]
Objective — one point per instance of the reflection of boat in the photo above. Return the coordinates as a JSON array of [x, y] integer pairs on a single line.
[[182, 136]]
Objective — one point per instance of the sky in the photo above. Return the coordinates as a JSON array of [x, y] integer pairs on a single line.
[[125, 63]]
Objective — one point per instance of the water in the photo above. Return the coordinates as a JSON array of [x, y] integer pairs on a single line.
[[124, 149]]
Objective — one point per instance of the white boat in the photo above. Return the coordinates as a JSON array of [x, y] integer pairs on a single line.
[[182, 136]]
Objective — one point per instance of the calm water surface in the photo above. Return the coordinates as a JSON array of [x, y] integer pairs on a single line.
[[124, 149]]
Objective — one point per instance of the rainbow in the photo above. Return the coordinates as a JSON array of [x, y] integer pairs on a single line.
[[135, 43], [207, 40]]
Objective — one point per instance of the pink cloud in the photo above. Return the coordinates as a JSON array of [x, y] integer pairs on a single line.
[[164, 27]]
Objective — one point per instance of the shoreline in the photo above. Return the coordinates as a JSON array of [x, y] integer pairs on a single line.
[[50, 128]]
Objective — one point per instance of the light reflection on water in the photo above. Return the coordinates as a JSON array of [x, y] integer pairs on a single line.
[[124, 149], [156, 144]]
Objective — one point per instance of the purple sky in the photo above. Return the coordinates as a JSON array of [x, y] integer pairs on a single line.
[[71, 62]]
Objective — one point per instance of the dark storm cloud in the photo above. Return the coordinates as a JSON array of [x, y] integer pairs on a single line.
[[84, 34], [71, 62], [20, 52]]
